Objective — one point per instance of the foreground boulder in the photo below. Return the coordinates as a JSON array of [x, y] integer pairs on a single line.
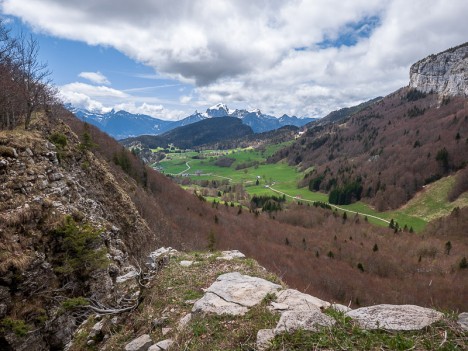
[[311, 320], [395, 317], [463, 320], [230, 255], [294, 300], [233, 294], [141, 343]]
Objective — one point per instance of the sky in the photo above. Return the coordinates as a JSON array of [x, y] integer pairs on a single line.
[[168, 58]]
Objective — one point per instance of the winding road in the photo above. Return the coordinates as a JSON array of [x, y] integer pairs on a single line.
[[334, 206], [282, 193]]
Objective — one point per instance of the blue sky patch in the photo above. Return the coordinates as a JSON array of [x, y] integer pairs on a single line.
[[350, 34]]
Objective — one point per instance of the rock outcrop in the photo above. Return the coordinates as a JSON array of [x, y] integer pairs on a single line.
[[445, 73], [233, 294], [45, 187], [141, 343], [395, 317]]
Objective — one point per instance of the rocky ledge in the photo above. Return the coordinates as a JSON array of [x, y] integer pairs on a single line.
[[202, 301], [445, 73]]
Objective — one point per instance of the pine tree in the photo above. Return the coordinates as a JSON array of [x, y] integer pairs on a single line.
[[211, 240], [448, 247], [463, 263]]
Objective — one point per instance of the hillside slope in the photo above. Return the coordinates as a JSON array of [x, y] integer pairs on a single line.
[[257, 312], [390, 149], [208, 131], [67, 230], [123, 210]]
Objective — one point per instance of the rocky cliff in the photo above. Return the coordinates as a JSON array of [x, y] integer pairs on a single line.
[[67, 232], [445, 73]]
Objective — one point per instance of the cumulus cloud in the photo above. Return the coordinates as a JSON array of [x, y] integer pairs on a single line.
[[104, 99], [185, 99], [95, 77], [309, 57]]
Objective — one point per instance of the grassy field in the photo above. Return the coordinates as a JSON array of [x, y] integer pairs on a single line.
[[429, 204], [432, 203]]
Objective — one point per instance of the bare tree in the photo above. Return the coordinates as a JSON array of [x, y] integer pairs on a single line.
[[8, 91], [34, 76]]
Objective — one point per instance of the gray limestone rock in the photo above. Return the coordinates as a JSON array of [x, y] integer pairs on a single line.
[[297, 301], [162, 345], [159, 322], [211, 303], [166, 331], [141, 343], [264, 337], [5, 300], [341, 308], [463, 320], [311, 320], [96, 330], [230, 255], [160, 257], [130, 275], [233, 293], [184, 321], [395, 317], [445, 73]]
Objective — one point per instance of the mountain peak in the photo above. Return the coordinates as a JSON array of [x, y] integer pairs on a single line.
[[219, 106], [218, 110], [443, 73]]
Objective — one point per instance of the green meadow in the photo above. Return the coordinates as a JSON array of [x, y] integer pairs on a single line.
[[281, 178]]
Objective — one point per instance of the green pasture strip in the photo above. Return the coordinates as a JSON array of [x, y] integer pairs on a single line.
[[432, 202], [429, 204]]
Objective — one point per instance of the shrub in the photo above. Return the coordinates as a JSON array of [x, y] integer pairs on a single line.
[[463, 263], [87, 143], [211, 241], [415, 111], [347, 194], [17, 326], [78, 249], [72, 303], [225, 161], [121, 159], [414, 94], [442, 157], [7, 151], [59, 140], [314, 184]]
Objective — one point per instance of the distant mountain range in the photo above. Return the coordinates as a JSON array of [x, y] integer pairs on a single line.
[[206, 131], [123, 124]]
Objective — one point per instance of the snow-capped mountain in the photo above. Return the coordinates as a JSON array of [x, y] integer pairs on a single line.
[[255, 119], [219, 110], [123, 124]]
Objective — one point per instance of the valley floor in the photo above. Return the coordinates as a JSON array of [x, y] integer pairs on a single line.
[[250, 167]]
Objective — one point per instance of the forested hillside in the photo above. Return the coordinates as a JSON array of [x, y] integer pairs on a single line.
[[313, 248], [207, 131], [387, 152]]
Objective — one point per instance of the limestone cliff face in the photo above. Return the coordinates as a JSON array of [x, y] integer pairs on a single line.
[[41, 183], [445, 73]]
